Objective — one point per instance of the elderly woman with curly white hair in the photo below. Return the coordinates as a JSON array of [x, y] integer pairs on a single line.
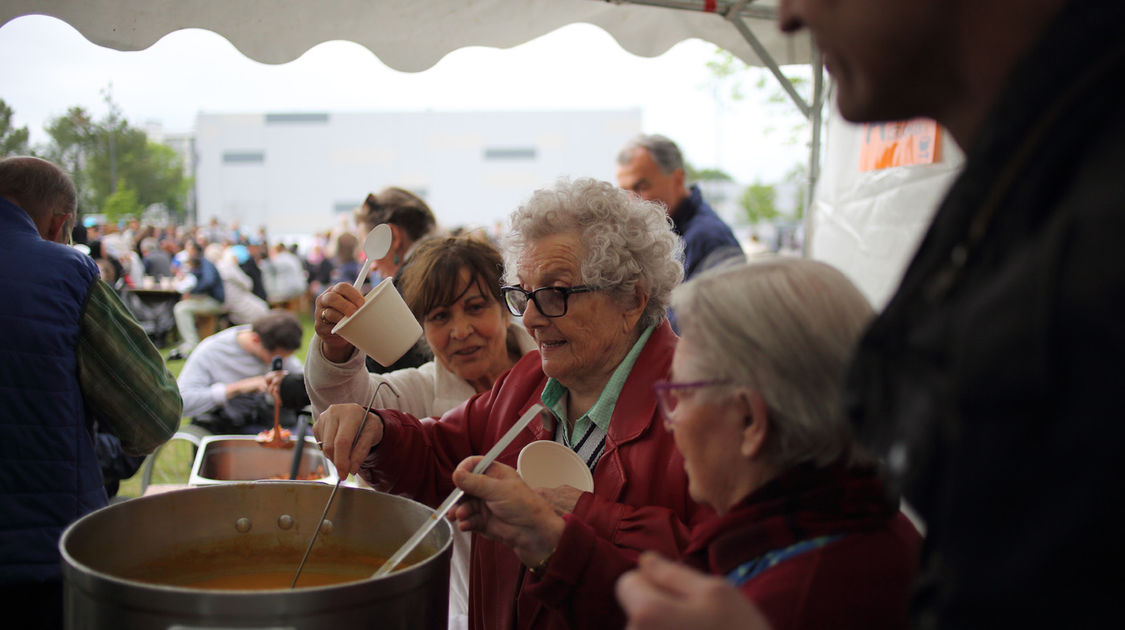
[[591, 271]]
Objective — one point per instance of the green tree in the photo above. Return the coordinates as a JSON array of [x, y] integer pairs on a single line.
[[758, 202], [122, 202], [732, 79], [103, 155], [706, 174], [13, 141], [729, 76], [72, 136]]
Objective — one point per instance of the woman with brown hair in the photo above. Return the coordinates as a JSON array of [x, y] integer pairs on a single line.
[[453, 287]]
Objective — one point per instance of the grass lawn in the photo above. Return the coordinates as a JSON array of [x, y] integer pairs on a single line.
[[173, 461]]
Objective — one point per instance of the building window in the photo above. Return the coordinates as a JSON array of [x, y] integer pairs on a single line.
[[244, 157], [509, 153], [282, 119]]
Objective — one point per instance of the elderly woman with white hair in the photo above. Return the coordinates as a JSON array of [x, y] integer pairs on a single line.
[[806, 532], [591, 269]]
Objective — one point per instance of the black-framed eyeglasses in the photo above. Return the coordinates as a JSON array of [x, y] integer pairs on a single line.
[[549, 301], [668, 394]]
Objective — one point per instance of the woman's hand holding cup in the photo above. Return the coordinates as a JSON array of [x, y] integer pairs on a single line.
[[338, 302]]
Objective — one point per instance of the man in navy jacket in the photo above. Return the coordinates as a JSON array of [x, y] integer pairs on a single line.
[[73, 363]]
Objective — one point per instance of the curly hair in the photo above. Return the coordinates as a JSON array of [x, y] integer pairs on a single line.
[[626, 242]]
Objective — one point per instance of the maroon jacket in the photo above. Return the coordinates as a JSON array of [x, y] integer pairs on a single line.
[[860, 580], [640, 499]]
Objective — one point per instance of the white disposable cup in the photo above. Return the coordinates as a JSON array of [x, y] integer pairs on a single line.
[[547, 464], [383, 328]]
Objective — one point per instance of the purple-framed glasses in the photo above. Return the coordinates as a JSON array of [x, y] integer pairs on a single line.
[[668, 393]]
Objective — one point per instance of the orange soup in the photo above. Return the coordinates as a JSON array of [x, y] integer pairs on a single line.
[[224, 567]]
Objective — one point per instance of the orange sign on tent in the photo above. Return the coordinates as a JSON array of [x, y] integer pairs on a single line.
[[900, 143]]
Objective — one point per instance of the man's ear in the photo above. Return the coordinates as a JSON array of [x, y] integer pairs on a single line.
[[56, 229], [757, 429]]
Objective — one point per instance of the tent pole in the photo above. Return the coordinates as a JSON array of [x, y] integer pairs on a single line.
[[769, 62]]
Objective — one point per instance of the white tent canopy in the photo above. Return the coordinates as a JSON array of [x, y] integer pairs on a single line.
[[413, 35]]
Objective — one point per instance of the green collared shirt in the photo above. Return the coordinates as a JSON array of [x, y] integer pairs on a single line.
[[124, 380], [554, 393]]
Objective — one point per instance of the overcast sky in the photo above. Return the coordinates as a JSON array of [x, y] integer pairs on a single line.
[[48, 66]]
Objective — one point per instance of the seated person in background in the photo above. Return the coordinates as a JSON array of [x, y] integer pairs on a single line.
[[157, 262], [346, 265], [242, 305], [806, 531], [284, 275], [223, 383], [452, 285], [203, 295]]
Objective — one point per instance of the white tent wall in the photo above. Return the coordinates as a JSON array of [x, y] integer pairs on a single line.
[[868, 223]]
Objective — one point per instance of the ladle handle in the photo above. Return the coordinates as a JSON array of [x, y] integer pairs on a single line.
[[456, 495], [363, 271], [324, 514]]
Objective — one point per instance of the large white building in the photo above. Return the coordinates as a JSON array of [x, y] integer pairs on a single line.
[[302, 173]]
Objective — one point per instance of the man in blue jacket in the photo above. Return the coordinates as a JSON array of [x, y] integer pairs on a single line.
[[652, 168], [73, 362]]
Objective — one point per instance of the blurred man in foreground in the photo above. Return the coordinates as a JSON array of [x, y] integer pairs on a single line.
[[73, 362]]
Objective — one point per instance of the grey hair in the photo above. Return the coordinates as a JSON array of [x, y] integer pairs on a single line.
[[787, 327], [664, 152], [626, 242], [40, 187]]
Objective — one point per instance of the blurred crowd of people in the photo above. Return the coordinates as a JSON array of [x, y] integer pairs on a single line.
[[251, 271]]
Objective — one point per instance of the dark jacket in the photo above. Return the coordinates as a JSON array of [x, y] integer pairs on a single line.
[[707, 239], [992, 380], [845, 556], [49, 472], [208, 280]]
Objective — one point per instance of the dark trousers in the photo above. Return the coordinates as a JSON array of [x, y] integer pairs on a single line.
[[36, 605]]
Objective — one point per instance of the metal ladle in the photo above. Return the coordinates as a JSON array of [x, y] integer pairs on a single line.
[[339, 479]]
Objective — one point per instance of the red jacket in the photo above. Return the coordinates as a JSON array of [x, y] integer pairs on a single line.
[[640, 499], [860, 580]]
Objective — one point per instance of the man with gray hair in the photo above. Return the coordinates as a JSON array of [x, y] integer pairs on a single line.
[[74, 366], [652, 167]]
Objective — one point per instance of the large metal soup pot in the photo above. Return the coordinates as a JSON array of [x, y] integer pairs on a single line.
[[116, 559]]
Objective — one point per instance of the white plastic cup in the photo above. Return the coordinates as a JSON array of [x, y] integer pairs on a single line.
[[547, 464], [383, 328]]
